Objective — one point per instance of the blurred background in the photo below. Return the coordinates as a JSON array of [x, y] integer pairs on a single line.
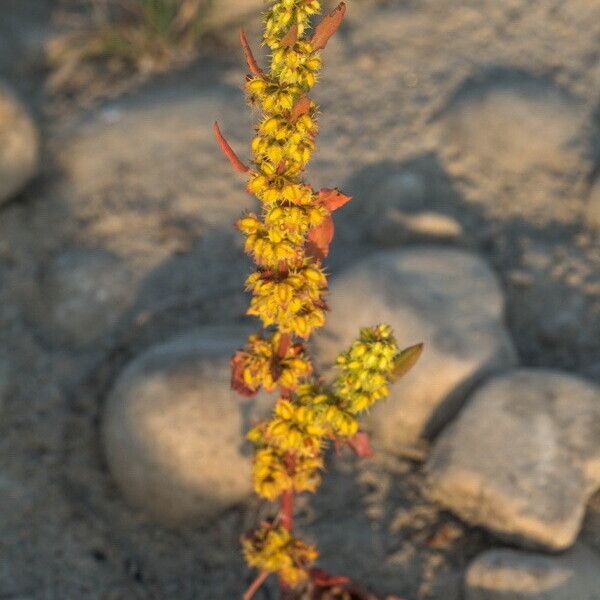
[[468, 134]]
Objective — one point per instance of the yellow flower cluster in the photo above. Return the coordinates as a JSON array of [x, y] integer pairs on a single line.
[[292, 300], [296, 65], [276, 550], [367, 368], [274, 471], [287, 239], [290, 445], [279, 137], [289, 284], [262, 364], [284, 142], [285, 14], [280, 236]]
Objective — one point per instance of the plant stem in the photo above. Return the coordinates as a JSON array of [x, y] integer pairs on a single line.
[[255, 586], [286, 513]]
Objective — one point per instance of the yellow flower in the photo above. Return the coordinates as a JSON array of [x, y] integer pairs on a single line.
[[367, 368], [285, 13], [276, 550], [260, 364], [296, 428], [292, 300], [269, 473]]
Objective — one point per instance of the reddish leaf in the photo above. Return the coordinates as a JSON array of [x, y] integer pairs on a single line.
[[252, 64], [284, 345], [333, 199], [325, 579], [238, 165], [291, 37], [300, 108], [328, 26], [237, 375], [319, 239], [361, 444]]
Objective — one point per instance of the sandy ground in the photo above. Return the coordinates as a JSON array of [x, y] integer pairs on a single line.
[[493, 105]]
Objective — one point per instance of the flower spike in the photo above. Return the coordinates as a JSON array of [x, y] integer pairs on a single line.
[[288, 236]]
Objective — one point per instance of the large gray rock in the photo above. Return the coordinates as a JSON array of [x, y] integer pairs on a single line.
[[513, 575], [397, 227], [19, 145], [514, 125], [446, 298], [82, 294], [523, 457], [172, 226], [173, 430]]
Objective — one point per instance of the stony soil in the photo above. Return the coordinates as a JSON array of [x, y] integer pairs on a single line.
[[484, 112]]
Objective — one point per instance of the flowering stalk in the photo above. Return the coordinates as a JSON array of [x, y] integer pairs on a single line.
[[288, 239]]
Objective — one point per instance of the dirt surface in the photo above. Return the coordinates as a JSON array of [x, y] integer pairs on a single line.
[[492, 107]]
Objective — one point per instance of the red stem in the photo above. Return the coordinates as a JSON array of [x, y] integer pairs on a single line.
[[286, 513], [255, 586], [286, 516], [284, 345]]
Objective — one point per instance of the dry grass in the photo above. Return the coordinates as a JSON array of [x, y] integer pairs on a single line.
[[110, 45]]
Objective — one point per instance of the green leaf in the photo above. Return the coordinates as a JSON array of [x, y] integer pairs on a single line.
[[406, 360]]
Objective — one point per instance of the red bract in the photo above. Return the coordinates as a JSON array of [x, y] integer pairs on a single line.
[[238, 165], [237, 375], [300, 108], [328, 26], [361, 444], [332, 199], [320, 238], [250, 60]]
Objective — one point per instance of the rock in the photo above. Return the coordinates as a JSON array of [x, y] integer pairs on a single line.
[[523, 457], [512, 575], [397, 227], [4, 381], [82, 295], [173, 430], [19, 146], [167, 137], [406, 186], [414, 200], [228, 12], [592, 212], [514, 123], [15, 499], [446, 298], [591, 526], [160, 206]]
